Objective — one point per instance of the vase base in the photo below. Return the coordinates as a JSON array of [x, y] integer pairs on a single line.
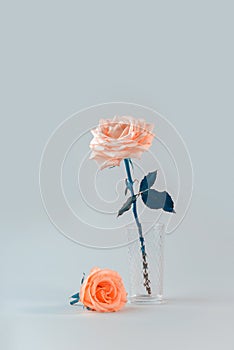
[[146, 299]]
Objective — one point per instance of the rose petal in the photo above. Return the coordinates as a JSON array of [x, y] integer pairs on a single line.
[[119, 138]]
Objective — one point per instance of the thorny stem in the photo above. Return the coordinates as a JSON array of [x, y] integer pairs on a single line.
[[139, 226]]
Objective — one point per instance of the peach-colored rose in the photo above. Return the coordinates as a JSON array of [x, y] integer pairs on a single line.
[[119, 138], [103, 291]]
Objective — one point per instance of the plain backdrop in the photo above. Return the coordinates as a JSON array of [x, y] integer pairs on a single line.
[[58, 57]]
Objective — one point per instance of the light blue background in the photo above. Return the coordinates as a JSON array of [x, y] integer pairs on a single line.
[[59, 57]]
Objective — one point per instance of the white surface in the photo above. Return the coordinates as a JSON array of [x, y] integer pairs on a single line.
[[60, 57], [182, 323], [198, 312]]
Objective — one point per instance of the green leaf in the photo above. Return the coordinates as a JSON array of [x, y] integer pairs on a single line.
[[76, 298], [158, 200], [148, 181], [127, 205]]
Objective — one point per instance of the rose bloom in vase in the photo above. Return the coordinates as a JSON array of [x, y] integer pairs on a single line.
[[121, 139]]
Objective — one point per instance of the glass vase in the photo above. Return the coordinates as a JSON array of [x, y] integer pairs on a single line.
[[146, 270]]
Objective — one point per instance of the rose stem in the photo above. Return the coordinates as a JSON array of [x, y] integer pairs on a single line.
[[139, 226]]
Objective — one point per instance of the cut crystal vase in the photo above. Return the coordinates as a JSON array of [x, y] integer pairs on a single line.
[[146, 273]]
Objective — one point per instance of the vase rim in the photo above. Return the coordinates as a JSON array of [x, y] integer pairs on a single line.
[[154, 225], [158, 228]]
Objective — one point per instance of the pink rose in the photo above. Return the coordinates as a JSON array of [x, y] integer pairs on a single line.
[[119, 138], [103, 291]]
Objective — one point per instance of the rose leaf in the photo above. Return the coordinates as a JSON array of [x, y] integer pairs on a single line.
[[158, 200], [148, 181], [76, 298], [127, 205]]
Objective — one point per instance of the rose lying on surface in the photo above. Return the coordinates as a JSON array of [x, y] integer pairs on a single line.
[[103, 291], [119, 138]]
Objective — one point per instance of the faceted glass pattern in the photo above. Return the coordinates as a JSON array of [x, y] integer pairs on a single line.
[[154, 245]]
